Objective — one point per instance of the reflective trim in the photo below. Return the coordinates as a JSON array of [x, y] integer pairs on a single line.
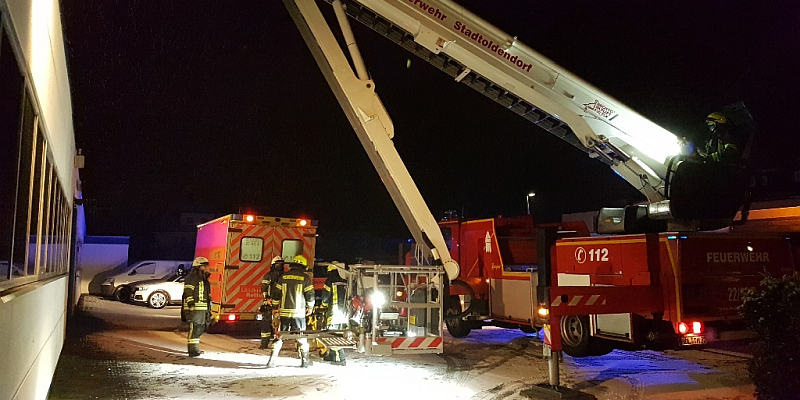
[[193, 341]]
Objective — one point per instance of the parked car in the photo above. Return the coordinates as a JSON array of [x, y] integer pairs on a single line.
[[118, 285], [158, 293]]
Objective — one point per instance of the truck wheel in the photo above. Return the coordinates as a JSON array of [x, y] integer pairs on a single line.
[[123, 294], [575, 335], [528, 329], [158, 299], [456, 326]]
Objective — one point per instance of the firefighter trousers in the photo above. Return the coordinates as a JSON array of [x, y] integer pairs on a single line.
[[267, 328], [198, 323]]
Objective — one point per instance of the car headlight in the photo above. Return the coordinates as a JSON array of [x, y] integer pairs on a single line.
[[141, 288]]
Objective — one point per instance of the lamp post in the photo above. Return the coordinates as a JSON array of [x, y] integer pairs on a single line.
[[528, 201]]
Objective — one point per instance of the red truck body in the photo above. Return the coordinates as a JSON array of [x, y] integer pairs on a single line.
[[673, 278]]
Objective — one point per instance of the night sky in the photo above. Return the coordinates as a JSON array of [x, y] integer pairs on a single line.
[[211, 106]]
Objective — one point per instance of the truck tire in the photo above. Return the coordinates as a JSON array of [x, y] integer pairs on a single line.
[[528, 329], [576, 338], [158, 299], [575, 335], [457, 327]]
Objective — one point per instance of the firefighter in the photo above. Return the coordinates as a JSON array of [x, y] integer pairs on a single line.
[[334, 295], [293, 295], [197, 303], [267, 284], [720, 146]]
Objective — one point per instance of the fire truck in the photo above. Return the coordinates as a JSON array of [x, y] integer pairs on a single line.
[[653, 281], [691, 282], [239, 248]]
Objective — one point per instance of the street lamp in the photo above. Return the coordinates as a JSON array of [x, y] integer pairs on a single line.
[[528, 201]]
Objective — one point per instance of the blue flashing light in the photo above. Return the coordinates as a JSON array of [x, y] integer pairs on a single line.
[[672, 237], [684, 237]]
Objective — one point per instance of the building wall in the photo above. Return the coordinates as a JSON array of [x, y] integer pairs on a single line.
[[33, 328], [33, 290]]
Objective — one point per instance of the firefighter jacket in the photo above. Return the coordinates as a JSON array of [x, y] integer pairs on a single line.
[[335, 290], [294, 293], [269, 282], [197, 291]]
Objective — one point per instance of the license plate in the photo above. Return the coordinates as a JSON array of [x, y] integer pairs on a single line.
[[692, 340]]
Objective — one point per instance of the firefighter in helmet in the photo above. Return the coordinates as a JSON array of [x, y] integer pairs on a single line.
[[334, 296], [267, 307], [197, 303], [293, 295], [720, 146]]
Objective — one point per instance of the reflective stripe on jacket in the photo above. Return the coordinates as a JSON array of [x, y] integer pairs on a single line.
[[294, 293], [197, 289]]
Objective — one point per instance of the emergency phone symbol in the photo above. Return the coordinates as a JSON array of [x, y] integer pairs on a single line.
[[580, 255], [488, 241]]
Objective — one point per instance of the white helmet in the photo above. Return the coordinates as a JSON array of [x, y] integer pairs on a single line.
[[199, 261]]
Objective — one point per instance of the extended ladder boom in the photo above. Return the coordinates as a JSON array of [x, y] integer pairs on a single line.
[[356, 94], [531, 85]]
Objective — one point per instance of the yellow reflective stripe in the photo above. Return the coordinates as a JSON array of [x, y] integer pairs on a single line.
[[308, 288], [201, 308], [265, 334], [327, 288], [193, 341], [186, 285], [264, 281], [294, 278]]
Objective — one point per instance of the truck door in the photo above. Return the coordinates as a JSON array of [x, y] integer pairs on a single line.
[[245, 267]]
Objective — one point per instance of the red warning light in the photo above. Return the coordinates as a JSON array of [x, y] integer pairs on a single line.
[[303, 222], [682, 328], [249, 218], [232, 317]]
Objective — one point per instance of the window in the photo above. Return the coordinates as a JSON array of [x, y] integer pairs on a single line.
[[252, 249], [35, 211], [447, 234], [19, 253], [145, 269], [36, 207], [10, 100], [291, 248]]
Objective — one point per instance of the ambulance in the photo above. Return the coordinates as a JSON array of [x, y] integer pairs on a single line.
[[239, 248]]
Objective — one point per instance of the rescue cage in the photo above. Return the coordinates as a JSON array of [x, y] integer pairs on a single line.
[[402, 310]]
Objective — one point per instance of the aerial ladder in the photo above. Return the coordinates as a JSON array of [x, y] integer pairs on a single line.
[[681, 196], [501, 67]]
